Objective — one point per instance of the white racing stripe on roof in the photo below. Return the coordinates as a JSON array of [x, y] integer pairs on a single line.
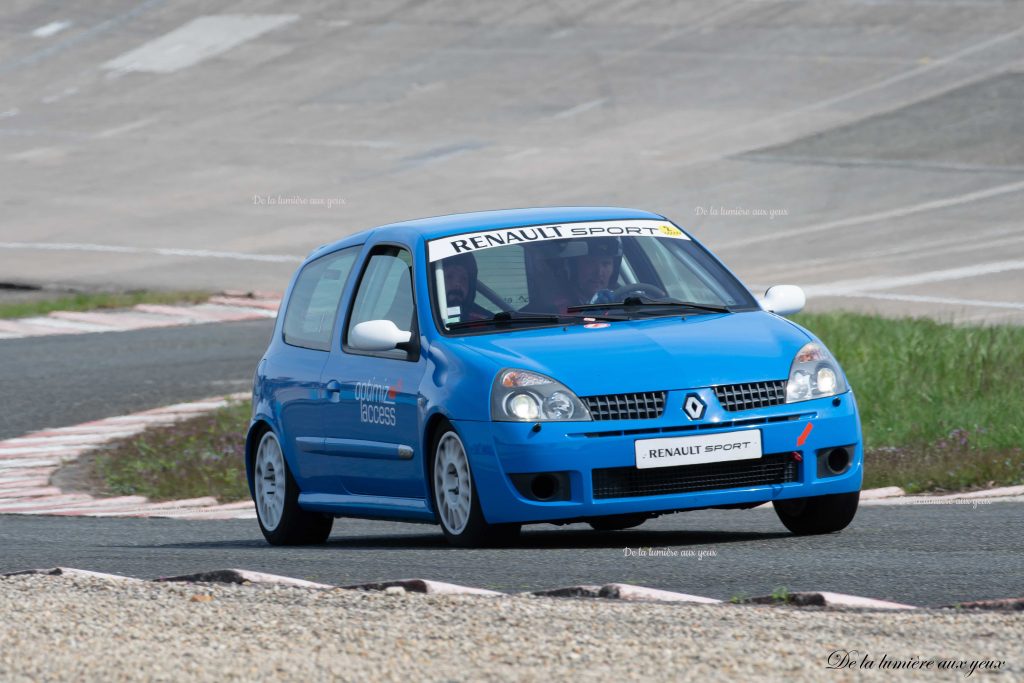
[[469, 242]]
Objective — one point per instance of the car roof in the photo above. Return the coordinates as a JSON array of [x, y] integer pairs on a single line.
[[457, 223]]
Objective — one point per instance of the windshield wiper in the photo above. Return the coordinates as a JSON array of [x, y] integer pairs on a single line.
[[508, 317], [637, 302]]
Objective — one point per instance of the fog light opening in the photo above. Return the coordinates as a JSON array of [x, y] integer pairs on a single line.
[[544, 487], [838, 460]]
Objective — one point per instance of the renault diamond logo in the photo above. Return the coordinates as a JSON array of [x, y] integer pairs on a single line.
[[693, 407]]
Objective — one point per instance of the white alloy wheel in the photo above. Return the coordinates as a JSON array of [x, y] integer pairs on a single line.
[[269, 476], [453, 487]]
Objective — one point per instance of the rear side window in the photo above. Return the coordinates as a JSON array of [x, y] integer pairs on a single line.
[[313, 307]]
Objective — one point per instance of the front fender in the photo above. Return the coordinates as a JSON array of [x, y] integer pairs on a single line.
[[457, 382]]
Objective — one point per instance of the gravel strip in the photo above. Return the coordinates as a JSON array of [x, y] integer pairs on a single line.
[[77, 628]]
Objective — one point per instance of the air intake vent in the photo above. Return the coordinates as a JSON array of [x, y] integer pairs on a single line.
[[630, 482], [752, 395], [645, 406]]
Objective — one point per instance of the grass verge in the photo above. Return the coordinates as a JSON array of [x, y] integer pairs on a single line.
[[202, 456], [88, 301], [942, 409], [942, 406]]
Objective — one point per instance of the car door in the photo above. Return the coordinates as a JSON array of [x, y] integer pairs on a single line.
[[372, 415], [292, 373]]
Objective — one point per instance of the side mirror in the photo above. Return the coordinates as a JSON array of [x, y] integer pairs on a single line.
[[784, 299], [377, 335]]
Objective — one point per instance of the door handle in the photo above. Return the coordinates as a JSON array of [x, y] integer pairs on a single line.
[[333, 387]]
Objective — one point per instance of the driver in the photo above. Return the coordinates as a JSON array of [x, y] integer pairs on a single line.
[[583, 273], [460, 276], [592, 272]]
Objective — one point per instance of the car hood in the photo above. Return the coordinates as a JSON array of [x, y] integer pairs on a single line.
[[649, 355]]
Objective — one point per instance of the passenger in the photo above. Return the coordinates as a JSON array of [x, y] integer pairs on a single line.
[[578, 272], [591, 273], [460, 279], [591, 268]]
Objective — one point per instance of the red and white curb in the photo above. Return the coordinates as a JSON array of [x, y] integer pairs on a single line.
[[74, 573], [612, 591], [218, 309], [243, 576], [827, 599], [421, 586], [894, 495], [28, 462], [623, 591]]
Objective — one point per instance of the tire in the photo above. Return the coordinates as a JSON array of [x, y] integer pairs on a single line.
[[276, 495], [818, 515], [455, 496], [617, 522]]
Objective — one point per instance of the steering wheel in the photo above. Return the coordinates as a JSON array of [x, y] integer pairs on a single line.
[[645, 288]]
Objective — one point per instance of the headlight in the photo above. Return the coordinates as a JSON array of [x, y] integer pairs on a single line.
[[814, 374], [524, 396]]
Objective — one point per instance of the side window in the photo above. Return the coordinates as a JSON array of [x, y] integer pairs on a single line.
[[385, 293], [313, 307]]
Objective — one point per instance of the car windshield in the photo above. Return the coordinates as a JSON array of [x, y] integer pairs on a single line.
[[542, 275]]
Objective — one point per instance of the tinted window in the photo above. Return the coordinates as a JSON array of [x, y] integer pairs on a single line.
[[556, 270], [502, 280], [684, 277], [385, 293], [313, 307]]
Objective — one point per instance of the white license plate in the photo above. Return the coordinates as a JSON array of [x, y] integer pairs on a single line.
[[693, 450]]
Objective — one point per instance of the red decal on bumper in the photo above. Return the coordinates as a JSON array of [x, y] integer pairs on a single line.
[[803, 435]]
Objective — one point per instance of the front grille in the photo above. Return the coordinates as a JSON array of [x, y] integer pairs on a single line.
[[751, 395], [630, 482], [705, 426], [645, 406]]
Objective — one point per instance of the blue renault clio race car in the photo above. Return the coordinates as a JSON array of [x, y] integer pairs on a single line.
[[487, 370]]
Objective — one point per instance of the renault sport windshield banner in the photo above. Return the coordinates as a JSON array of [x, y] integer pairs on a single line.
[[476, 241]]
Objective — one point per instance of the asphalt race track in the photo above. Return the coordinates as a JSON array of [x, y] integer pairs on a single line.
[[930, 555], [926, 555], [872, 152], [63, 380]]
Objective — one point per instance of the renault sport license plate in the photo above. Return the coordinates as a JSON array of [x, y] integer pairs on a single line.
[[693, 450]]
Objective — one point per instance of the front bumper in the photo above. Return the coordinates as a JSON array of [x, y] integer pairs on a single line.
[[576, 449]]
